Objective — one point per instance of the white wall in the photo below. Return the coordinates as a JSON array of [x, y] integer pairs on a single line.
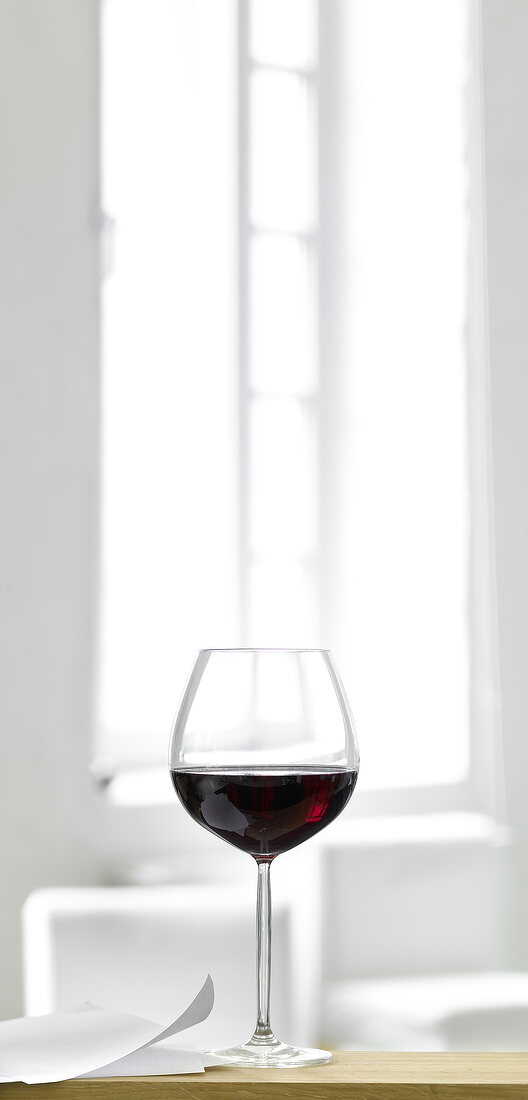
[[48, 402], [505, 72]]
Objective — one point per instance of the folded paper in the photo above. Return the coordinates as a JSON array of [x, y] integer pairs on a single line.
[[93, 1043]]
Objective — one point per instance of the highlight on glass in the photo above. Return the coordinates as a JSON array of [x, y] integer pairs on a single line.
[[264, 755]]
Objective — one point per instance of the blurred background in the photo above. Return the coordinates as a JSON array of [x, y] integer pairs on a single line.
[[263, 343]]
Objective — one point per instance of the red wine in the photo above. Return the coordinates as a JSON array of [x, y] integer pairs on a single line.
[[264, 813]]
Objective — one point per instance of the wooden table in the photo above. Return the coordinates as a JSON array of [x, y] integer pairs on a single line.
[[354, 1076]]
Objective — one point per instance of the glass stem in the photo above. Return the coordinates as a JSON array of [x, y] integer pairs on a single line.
[[263, 1032]]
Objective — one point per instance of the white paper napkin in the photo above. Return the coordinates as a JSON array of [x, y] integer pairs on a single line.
[[95, 1043]]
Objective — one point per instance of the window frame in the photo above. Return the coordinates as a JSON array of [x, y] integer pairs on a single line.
[[247, 67]]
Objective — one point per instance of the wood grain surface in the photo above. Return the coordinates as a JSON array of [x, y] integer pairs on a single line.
[[356, 1076]]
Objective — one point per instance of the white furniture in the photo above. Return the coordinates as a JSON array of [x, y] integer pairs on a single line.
[[415, 936], [147, 950], [404, 914], [413, 895]]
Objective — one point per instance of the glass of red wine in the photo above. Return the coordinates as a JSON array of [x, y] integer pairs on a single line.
[[263, 754]]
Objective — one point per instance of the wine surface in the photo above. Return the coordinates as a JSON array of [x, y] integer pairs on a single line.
[[264, 813]]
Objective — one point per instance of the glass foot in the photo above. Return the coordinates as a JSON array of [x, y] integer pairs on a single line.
[[272, 1053]]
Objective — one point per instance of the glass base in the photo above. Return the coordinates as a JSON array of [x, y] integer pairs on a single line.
[[272, 1053]]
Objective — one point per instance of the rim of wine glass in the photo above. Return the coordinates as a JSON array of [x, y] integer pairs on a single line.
[[186, 702], [263, 649]]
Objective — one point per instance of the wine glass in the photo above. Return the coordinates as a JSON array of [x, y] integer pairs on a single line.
[[263, 754]]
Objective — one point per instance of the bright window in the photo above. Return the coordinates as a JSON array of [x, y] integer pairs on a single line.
[[285, 397]]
